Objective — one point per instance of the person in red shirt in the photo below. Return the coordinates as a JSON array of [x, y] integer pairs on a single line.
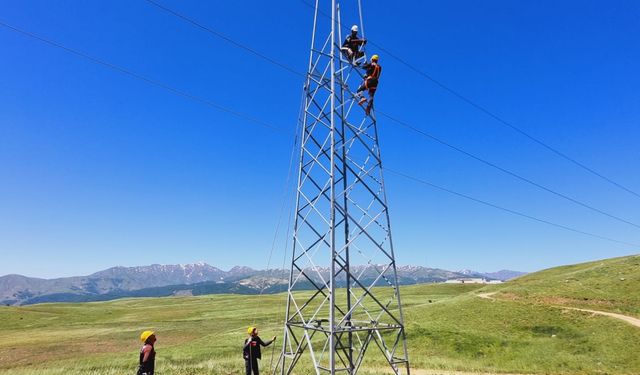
[[147, 353]]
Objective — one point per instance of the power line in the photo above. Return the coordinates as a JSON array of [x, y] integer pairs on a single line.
[[506, 171], [249, 118], [508, 124], [487, 112], [415, 179], [408, 126], [143, 78], [226, 38]]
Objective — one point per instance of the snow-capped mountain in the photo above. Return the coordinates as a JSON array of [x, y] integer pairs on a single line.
[[196, 278]]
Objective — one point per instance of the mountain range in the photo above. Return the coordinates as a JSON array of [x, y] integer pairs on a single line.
[[191, 279]]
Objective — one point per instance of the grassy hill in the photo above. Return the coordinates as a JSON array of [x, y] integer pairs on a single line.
[[449, 328], [609, 285]]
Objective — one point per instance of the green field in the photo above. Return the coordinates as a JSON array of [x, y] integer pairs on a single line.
[[522, 330]]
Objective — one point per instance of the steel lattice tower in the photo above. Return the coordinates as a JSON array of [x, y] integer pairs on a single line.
[[343, 295]]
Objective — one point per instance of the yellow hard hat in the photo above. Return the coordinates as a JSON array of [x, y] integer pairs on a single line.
[[145, 335], [375, 58], [250, 330]]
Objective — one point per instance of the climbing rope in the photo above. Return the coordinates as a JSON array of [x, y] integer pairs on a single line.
[[285, 195]]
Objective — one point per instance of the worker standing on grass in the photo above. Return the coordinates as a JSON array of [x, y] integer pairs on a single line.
[[251, 350], [372, 74], [147, 353]]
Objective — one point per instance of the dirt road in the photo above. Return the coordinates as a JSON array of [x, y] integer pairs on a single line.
[[629, 319], [486, 295]]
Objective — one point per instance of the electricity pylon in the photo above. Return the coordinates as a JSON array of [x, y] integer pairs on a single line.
[[343, 295]]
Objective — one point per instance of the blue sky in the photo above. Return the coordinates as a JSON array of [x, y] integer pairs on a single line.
[[99, 169]]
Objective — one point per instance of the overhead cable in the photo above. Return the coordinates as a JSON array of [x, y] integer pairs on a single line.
[[226, 38], [404, 124], [143, 78], [489, 113], [504, 170], [423, 182], [251, 119]]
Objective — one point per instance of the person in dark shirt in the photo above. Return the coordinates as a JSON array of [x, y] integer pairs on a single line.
[[351, 46], [147, 353], [251, 350], [371, 77]]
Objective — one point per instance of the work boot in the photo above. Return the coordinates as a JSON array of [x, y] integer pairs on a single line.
[[362, 100]]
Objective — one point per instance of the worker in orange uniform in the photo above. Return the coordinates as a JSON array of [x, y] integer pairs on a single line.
[[371, 77]]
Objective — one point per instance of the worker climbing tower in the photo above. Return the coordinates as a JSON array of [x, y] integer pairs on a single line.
[[343, 297]]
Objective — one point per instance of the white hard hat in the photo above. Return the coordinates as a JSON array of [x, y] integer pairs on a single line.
[[354, 28]]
